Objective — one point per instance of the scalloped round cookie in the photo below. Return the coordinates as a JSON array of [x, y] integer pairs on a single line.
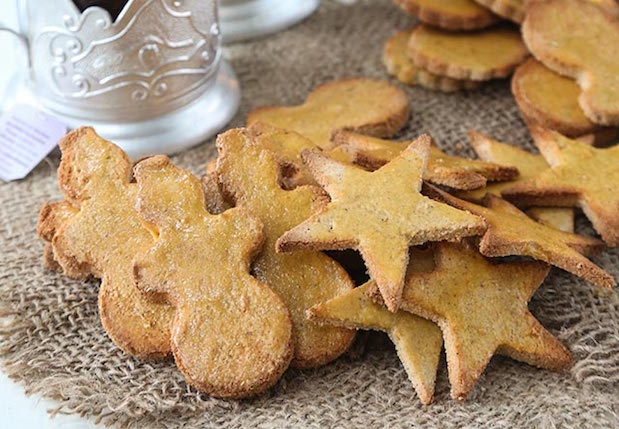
[[398, 64], [477, 55]]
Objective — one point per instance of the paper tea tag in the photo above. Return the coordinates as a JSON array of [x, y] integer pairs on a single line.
[[27, 135]]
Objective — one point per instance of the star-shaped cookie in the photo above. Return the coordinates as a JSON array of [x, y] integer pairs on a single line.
[[231, 334], [249, 176], [481, 307], [369, 106], [417, 341], [380, 213], [512, 232], [100, 235], [442, 169], [580, 175], [529, 165]]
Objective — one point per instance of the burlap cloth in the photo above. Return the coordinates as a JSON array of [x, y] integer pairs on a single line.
[[53, 344]]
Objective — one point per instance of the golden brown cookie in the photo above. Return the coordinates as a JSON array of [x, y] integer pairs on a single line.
[[449, 14], [511, 232], [395, 58], [481, 307], [529, 165], [580, 40], [231, 334], [478, 55], [369, 106], [417, 341], [248, 174], [580, 175], [102, 237], [380, 214], [442, 169], [513, 10], [551, 100]]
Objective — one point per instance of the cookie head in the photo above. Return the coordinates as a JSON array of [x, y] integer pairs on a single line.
[[89, 161]]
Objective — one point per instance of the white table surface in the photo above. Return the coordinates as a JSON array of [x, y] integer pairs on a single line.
[[18, 411]]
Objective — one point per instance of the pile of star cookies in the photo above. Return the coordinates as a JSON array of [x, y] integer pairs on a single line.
[[226, 273]]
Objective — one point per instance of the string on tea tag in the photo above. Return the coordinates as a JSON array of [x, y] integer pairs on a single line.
[[27, 135]]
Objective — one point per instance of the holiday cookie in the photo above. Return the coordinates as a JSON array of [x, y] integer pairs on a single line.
[[442, 169], [511, 232], [478, 55], [481, 307], [529, 165], [417, 341], [231, 334], [580, 40], [380, 214], [580, 175], [449, 14], [249, 176], [395, 58], [550, 100], [513, 10], [369, 106], [103, 236]]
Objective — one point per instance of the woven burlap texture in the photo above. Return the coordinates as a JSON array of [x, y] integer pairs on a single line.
[[53, 344]]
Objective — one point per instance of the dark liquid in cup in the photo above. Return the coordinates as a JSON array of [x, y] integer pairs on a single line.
[[112, 6]]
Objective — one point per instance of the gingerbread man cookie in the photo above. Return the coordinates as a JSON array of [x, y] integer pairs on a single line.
[[231, 334]]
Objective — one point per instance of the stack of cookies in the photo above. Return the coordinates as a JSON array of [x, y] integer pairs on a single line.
[[458, 45], [566, 87]]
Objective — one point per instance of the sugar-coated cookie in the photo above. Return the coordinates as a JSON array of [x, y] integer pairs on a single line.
[[231, 334], [101, 235], [249, 175]]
